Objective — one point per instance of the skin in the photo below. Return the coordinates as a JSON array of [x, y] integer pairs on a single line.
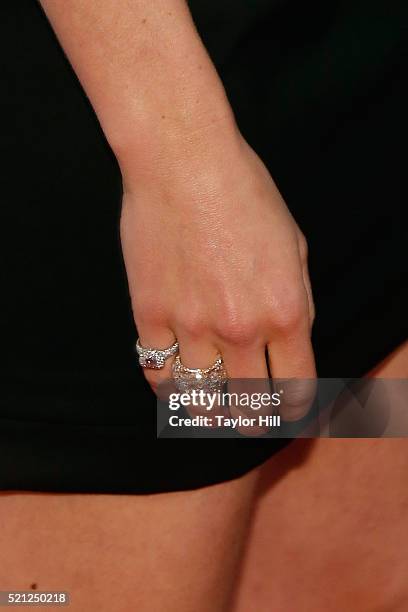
[[342, 549], [330, 528], [226, 236], [177, 551]]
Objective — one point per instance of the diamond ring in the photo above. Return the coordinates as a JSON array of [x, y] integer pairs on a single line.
[[189, 379], [154, 358]]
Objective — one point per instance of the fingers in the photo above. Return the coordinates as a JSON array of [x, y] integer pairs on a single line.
[[198, 351], [290, 351], [291, 357], [245, 361], [248, 375], [284, 332]]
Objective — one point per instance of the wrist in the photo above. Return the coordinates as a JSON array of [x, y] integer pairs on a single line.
[[172, 112], [175, 151]]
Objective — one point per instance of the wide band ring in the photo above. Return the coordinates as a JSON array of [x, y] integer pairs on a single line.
[[153, 358], [208, 379]]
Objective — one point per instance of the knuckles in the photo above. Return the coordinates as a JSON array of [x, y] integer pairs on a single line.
[[191, 318], [192, 324], [237, 330], [284, 314], [230, 325], [149, 313], [289, 311]]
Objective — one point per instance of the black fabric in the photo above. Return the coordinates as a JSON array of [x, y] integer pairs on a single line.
[[319, 92]]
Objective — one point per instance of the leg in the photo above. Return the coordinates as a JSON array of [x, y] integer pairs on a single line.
[[331, 528], [173, 552]]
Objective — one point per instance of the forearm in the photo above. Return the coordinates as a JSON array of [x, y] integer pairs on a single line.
[[145, 71]]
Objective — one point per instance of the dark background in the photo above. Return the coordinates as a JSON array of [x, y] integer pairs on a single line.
[[319, 91]]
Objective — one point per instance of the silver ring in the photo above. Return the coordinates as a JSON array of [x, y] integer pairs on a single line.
[[153, 358], [208, 379]]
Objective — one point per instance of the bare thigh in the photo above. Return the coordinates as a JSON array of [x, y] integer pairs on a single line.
[[330, 531], [165, 552]]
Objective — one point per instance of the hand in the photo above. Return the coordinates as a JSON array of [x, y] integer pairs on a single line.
[[215, 259]]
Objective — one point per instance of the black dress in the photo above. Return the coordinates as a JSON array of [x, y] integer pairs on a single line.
[[318, 90]]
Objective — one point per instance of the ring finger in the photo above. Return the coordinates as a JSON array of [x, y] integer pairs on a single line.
[[157, 338], [198, 353]]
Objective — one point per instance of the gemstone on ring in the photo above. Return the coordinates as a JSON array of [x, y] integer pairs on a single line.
[[209, 379], [152, 358]]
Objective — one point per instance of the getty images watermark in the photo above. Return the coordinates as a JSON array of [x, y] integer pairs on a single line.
[[288, 408], [211, 402]]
